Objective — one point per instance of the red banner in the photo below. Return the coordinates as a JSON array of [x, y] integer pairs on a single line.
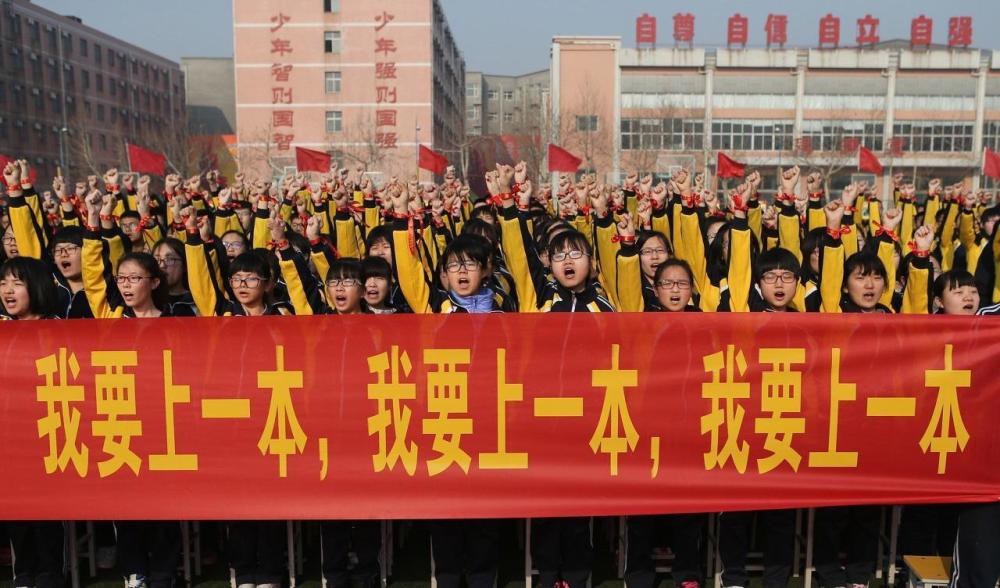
[[494, 415]]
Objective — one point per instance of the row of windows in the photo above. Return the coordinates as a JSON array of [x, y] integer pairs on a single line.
[[776, 135], [640, 100]]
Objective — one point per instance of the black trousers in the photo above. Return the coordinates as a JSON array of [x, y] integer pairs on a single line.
[[340, 538], [257, 551], [928, 529], [778, 529], [853, 530], [468, 547], [644, 533], [976, 561], [561, 550], [149, 548], [37, 549]]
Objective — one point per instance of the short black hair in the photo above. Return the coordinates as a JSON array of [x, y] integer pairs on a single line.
[[778, 258], [811, 242], [42, 293], [481, 211], [379, 233], [478, 226], [129, 214], [673, 262], [568, 240], [643, 237], [72, 235], [867, 263], [343, 268], [375, 267], [951, 279], [255, 261], [469, 246]]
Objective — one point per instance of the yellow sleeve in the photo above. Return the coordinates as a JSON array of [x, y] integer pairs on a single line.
[[321, 261], [967, 232], [947, 241], [916, 294], [410, 271], [292, 270], [740, 273], [152, 235], [931, 208], [832, 272], [373, 214], [660, 223], [906, 227], [200, 280], [261, 233], [676, 209], [27, 233], [755, 219], [874, 213], [607, 254], [789, 230], [815, 215], [694, 249], [514, 243], [886, 252], [347, 235], [628, 286], [583, 223], [97, 277]]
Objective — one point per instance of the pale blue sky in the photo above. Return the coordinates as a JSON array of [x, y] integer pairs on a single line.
[[513, 36]]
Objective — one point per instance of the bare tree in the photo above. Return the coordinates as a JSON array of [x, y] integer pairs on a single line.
[[837, 149], [582, 130]]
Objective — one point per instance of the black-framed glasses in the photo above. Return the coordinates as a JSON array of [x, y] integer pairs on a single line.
[[64, 250], [345, 282], [251, 282], [671, 284], [562, 255], [120, 280], [773, 277], [469, 265]]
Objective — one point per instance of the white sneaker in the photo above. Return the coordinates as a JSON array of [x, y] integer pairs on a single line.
[[135, 581], [247, 586], [268, 585]]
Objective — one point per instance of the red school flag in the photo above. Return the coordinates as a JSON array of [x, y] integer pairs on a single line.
[[868, 162], [432, 161], [311, 160], [991, 164], [726, 167], [561, 160], [145, 161]]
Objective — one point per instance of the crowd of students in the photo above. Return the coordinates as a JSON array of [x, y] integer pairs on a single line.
[[111, 248]]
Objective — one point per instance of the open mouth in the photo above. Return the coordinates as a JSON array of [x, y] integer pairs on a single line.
[[9, 302], [64, 265], [340, 299], [869, 297], [779, 295], [569, 272], [128, 296], [970, 307], [371, 293], [675, 299], [463, 282]]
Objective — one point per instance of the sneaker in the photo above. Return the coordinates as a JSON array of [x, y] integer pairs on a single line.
[[857, 586], [268, 585], [690, 584], [135, 581], [247, 586]]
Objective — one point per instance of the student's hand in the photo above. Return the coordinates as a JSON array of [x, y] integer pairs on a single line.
[[59, 187], [128, 182], [277, 227], [789, 179], [93, 203], [850, 194], [111, 178], [891, 219], [711, 200], [834, 212], [617, 198], [769, 217], [924, 238], [400, 201], [599, 202], [524, 196], [142, 203], [25, 172], [754, 182], [934, 187], [193, 184], [699, 182], [630, 181], [521, 172], [659, 194], [12, 175], [814, 182], [449, 173], [313, 227], [644, 213], [171, 182], [505, 174], [190, 219], [682, 182], [225, 197], [626, 227], [367, 186]]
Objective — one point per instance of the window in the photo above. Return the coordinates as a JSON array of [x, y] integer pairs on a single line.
[[98, 56], [753, 135], [472, 90], [85, 76], [586, 123], [473, 112], [84, 48], [111, 57], [100, 82], [112, 86], [332, 82], [104, 142], [493, 95], [934, 136], [508, 94], [331, 42], [334, 121], [100, 112], [508, 117], [991, 134], [492, 117], [331, 5], [830, 137]]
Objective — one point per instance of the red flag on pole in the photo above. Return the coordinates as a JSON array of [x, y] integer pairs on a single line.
[[311, 160], [432, 161], [991, 164], [561, 160], [868, 162], [146, 161], [727, 167]]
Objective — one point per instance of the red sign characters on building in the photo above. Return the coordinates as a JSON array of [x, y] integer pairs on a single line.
[[829, 31], [645, 30], [868, 30], [736, 31], [921, 31], [776, 28], [960, 31], [684, 28]]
